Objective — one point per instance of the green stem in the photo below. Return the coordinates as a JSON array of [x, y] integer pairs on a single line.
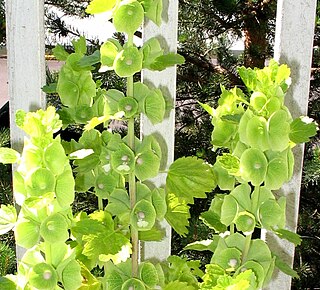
[[100, 203], [48, 252], [232, 229], [247, 243], [132, 186]]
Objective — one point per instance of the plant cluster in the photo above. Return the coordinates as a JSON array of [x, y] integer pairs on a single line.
[[100, 250]]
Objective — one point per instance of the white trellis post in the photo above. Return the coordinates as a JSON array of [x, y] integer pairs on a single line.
[[26, 59], [293, 46], [26, 62], [164, 132]]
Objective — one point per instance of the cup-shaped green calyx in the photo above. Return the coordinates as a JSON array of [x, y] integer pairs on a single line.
[[228, 258], [27, 233], [31, 157], [54, 229], [83, 113], [148, 274], [43, 276], [40, 182], [257, 133], [143, 215], [128, 62], [108, 52], [133, 284], [104, 185], [253, 166], [279, 129], [129, 106], [128, 17], [122, 160], [55, 158], [147, 165], [155, 106], [245, 222], [258, 101]]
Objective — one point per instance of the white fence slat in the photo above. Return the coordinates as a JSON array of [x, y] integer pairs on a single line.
[[166, 80], [293, 46], [26, 62], [26, 59]]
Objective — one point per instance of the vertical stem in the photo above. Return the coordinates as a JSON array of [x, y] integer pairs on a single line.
[[247, 243], [132, 179], [232, 229], [48, 252], [100, 203]]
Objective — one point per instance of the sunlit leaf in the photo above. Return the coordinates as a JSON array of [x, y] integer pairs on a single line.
[[189, 177], [302, 129], [8, 217]]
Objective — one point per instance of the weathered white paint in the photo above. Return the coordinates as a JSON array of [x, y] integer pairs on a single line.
[[166, 80], [26, 69], [293, 46]]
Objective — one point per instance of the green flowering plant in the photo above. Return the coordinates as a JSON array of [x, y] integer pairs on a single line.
[[64, 249]]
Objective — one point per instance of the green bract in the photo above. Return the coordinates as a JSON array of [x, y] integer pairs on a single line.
[[143, 215], [54, 229], [40, 182], [128, 62], [43, 276], [128, 17], [253, 166]]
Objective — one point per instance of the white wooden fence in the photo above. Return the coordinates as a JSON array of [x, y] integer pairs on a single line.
[[294, 38]]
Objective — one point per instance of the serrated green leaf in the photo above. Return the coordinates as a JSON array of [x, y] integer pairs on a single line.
[[230, 163], [80, 45], [190, 178], [177, 285], [60, 53], [302, 129], [107, 242], [177, 214], [224, 180]]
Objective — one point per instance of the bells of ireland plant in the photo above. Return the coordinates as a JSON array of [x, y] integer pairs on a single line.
[[128, 17], [43, 276]]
